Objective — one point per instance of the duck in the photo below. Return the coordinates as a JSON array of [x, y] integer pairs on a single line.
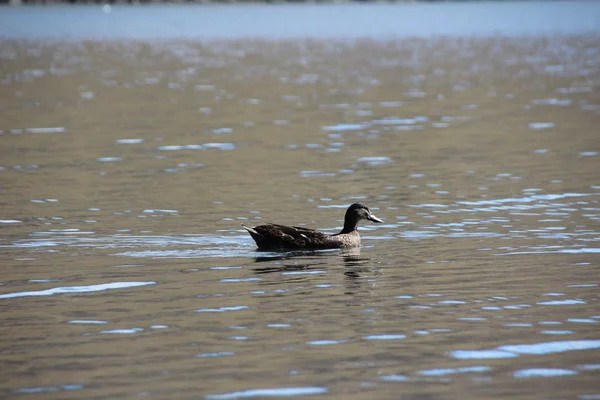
[[274, 236]]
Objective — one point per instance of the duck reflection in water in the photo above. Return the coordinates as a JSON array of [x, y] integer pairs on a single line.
[[311, 260], [296, 266]]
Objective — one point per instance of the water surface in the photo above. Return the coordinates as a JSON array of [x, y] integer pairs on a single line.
[[127, 168]]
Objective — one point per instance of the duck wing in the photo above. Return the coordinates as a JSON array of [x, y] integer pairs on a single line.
[[275, 236], [299, 231]]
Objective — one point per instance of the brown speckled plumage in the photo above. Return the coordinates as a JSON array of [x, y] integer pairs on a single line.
[[274, 236]]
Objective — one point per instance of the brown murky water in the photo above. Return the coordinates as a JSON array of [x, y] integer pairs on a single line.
[[127, 168]]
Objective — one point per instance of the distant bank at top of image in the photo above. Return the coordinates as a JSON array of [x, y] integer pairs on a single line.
[[29, 2], [215, 21]]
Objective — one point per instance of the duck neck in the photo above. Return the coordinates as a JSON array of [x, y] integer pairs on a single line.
[[350, 225]]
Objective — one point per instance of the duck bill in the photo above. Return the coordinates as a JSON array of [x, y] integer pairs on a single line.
[[373, 218]]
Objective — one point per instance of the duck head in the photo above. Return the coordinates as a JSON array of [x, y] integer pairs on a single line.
[[354, 214]]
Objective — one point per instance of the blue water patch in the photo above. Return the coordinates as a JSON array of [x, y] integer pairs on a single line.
[[218, 354], [543, 372], [325, 342], [384, 337], [595, 396], [310, 173], [46, 389], [150, 211], [561, 302], [541, 125], [526, 199], [123, 331], [178, 147], [390, 103], [109, 159], [374, 160], [481, 354], [221, 309], [220, 146], [129, 141], [76, 289], [582, 320], [275, 392], [236, 280], [222, 252], [509, 351], [394, 121], [303, 272], [45, 130], [86, 322], [551, 347], [394, 378], [446, 371], [552, 101], [452, 302], [588, 367], [344, 127]]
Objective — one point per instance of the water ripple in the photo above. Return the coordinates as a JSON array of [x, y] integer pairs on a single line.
[[76, 289], [275, 392], [446, 371], [508, 351], [543, 372], [221, 309], [47, 389], [384, 337]]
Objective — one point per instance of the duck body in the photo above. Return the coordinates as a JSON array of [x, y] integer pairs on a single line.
[[275, 236]]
